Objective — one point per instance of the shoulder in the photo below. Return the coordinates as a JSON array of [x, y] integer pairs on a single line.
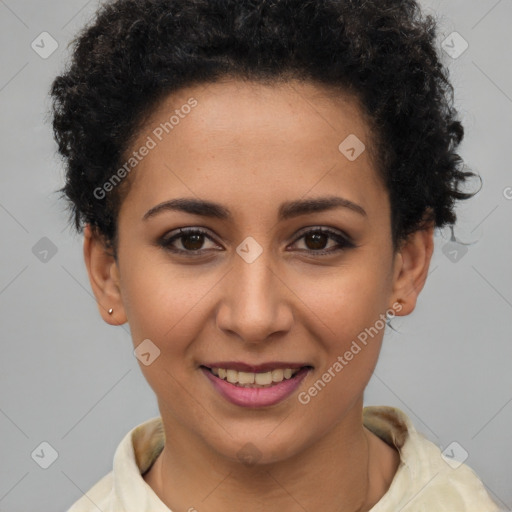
[[426, 479], [124, 487], [98, 497]]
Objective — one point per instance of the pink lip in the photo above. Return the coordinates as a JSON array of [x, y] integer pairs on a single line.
[[256, 397]]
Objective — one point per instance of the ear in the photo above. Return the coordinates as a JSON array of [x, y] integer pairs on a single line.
[[104, 276], [412, 262]]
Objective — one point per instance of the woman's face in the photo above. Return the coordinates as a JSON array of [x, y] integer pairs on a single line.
[[271, 281]]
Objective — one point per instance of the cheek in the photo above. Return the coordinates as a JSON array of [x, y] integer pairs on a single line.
[[351, 342], [170, 308], [170, 305], [348, 306], [162, 301], [347, 300]]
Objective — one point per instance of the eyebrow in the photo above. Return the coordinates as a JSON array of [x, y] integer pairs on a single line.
[[287, 210]]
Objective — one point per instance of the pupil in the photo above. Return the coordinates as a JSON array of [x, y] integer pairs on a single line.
[[194, 246], [318, 240]]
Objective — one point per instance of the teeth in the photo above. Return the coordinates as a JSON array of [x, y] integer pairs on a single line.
[[250, 379], [263, 379], [277, 375], [246, 378], [232, 376]]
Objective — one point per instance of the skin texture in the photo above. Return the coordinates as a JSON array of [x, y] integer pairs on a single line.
[[251, 147]]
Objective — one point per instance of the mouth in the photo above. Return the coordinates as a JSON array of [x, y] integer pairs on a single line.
[[255, 386], [256, 379]]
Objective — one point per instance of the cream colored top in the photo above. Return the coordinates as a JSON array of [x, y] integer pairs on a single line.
[[426, 480]]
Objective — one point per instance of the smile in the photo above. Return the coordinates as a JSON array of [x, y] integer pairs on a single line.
[[253, 380], [255, 389]]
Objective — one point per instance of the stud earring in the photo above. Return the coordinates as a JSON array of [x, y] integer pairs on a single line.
[[110, 311]]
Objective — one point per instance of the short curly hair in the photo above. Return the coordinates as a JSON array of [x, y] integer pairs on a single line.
[[136, 52]]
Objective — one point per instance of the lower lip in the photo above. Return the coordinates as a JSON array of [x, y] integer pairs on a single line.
[[256, 397]]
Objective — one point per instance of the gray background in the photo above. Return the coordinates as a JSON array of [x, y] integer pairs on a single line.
[[71, 380]]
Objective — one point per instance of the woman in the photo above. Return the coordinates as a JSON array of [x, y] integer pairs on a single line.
[[258, 183]]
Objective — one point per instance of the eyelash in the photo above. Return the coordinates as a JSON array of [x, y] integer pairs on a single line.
[[343, 242]]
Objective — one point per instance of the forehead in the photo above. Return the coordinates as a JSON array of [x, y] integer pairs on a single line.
[[247, 138], [245, 111]]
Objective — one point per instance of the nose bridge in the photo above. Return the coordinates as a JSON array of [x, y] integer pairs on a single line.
[[254, 305]]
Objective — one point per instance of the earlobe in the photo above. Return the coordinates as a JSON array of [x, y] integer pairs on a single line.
[[104, 277], [412, 262]]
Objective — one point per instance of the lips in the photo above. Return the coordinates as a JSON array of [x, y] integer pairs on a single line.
[[249, 385]]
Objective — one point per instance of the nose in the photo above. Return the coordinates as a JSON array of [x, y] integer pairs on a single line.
[[255, 301]]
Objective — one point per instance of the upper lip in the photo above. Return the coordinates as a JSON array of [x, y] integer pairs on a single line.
[[254, 368]]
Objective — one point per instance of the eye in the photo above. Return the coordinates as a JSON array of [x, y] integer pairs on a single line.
[[317, 238], [191, 241]]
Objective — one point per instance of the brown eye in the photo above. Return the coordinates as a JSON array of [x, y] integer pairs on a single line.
[[191, 240], [316, 240]]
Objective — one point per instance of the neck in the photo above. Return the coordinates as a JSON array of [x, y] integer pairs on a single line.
[[332, 474]]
